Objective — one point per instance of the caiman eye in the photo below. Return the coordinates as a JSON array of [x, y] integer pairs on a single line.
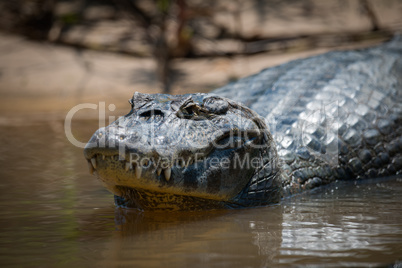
[[191, 111], [196, 111]]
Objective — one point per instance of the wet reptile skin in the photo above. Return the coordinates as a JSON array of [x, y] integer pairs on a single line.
[[335, 116], [344, 107]]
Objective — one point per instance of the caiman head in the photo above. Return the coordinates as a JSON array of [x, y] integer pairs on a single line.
[[186, 152]]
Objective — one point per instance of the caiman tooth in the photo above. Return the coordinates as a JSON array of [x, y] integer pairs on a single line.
[[167, 173], [138, 171], [158, 171], [91, 168], [128, 166], [93, 161]]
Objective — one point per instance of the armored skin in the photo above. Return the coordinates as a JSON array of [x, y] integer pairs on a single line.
[[297, 126]]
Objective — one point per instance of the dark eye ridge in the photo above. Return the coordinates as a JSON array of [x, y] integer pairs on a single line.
[[216, 105]]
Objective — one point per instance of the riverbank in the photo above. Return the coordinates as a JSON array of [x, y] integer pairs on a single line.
[[42, 78]]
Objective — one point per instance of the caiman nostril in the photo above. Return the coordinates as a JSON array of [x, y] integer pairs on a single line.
[[152, 113]]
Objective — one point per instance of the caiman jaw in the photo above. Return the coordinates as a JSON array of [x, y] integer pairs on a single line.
[[138, 170], [177, 151], [135, 167]]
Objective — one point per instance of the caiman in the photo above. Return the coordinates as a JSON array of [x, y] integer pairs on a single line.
[[290, 128]]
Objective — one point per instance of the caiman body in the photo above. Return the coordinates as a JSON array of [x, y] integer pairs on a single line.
[[297, 126]]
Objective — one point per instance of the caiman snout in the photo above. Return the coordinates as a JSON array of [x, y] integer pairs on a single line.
[[194, 146]]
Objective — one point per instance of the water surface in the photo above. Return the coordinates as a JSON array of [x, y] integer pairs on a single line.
[[55, 214]]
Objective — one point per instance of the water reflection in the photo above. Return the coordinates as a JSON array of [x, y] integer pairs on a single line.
[[354, 224], [237, 238], [53, 213]]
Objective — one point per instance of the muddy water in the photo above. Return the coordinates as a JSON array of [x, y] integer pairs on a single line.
[[54, 214]]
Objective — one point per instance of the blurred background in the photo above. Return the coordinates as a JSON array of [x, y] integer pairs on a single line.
[[55, 54]]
